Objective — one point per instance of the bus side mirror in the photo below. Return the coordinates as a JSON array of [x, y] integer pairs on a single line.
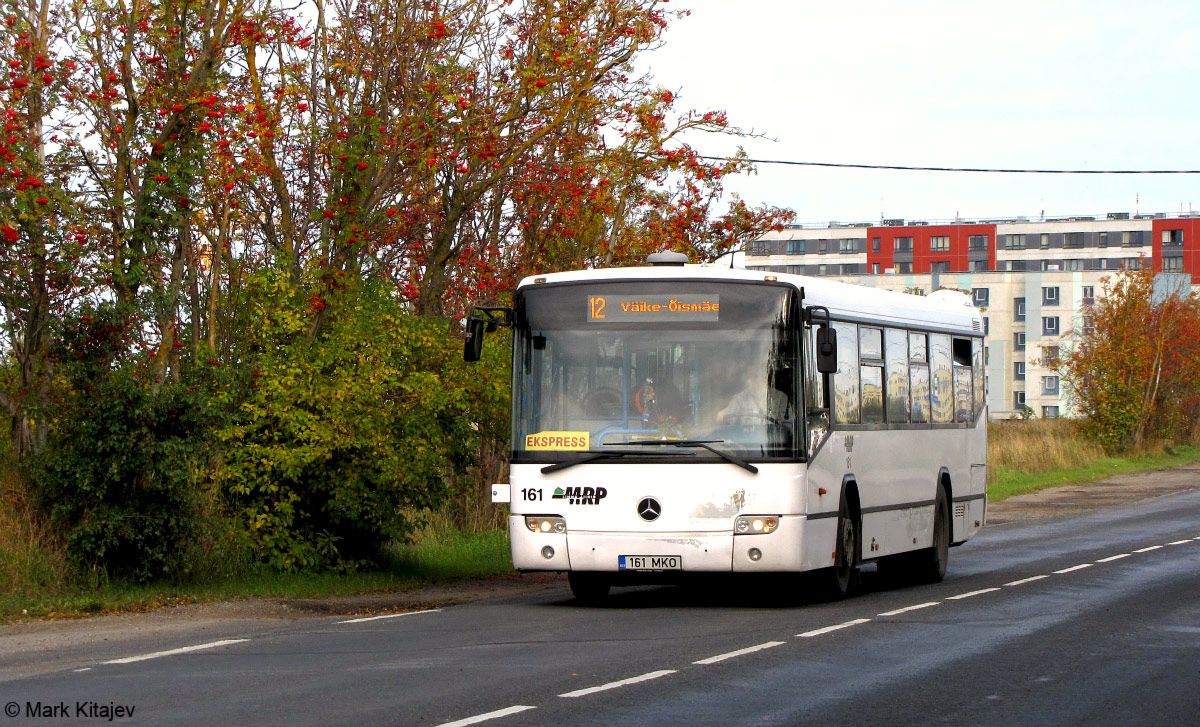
[[473, 343], [827, 362]]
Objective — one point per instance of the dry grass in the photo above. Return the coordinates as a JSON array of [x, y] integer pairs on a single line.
[[32, 560], [1039, 445]]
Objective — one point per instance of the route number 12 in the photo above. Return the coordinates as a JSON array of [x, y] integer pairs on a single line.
[[596, 307]]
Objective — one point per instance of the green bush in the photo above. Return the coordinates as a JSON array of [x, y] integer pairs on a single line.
[[119, 470], [341, 435]]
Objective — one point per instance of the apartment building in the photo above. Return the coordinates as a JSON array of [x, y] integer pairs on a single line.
[[1035, 281]]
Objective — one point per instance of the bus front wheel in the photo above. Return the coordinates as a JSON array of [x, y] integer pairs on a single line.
[[840, 577], [590, 588]]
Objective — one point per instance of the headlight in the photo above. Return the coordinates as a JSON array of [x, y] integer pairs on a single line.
[[546, 524], [755, 524]]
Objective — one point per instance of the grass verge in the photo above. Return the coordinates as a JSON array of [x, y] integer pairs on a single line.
[[1004, 482], [441, 557]]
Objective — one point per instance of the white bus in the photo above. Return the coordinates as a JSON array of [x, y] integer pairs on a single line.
[[683, 418]]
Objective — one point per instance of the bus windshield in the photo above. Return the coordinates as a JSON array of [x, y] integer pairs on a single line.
[[611, 366]]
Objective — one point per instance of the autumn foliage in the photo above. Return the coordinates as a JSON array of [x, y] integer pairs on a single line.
[[1136, 374], [228, 178]]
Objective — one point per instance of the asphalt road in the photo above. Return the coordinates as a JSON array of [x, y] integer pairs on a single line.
[[1091, 619]]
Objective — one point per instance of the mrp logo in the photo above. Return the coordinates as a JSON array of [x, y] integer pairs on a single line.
[[580, 495]]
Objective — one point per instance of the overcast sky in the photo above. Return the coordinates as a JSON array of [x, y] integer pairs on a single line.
[[1045, 84]]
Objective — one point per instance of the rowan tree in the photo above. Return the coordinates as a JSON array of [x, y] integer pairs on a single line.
[[1136, 375]]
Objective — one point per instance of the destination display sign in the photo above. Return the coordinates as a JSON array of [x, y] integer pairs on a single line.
[[652, 308]]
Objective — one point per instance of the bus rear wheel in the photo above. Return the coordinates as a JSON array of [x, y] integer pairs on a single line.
[[929, 565], [590, 588]]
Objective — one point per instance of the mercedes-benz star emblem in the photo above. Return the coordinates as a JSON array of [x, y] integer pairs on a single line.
[[649, 509]]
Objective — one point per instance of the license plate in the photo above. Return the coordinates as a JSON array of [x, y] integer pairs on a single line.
[[649, 562]]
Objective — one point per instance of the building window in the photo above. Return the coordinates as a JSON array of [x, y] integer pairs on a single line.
[[1172, 237], [1049, 412], [986, 328], [874, 244], [1018, 341], [904, 267], [1050, 385], [1018, 309], [979, 266], [847, 245], [1073, 239], [980, 297], [977, 242], [795, 247], [1172, 264], [1089, 294], [939, 267], [1088, 324], [1019, 371], [822, 269], [939, 243], [1045, 240], [1050, 296], [1050, 326], [1014, 242], [1050, 356], [822, 247], [874, 268], [1133, 238], [1018, 399], [903, 244], [1103, 239], [1074, 264]]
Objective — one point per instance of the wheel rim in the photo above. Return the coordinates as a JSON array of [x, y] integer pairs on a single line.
[[847, 560]]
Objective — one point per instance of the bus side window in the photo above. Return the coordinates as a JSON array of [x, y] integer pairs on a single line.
[[896, 352], [870, 342], [963, 407], [941, 382], [919, 377], [980, 376], [845, 381]]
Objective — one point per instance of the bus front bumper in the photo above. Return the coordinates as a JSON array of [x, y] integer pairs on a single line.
[[724, 552]]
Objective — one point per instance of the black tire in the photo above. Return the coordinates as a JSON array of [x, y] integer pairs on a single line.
[[929, 565], [588, 588], [841, 577]]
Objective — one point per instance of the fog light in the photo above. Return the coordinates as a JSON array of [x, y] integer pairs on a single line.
[[547, 552], [755, 554]]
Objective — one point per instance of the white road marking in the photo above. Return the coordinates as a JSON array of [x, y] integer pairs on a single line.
[[1111, 558], [739, 652], [909, 608], [1025, 580], [623, 682], [827, 629], [389, 615], [972, 593], [172, 652], [484, 717], [86, 668], [1146, 550], [1081, 566], [1180, 542]]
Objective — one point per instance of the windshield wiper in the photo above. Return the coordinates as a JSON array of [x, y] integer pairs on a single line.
[[702, 444], [608, 455]]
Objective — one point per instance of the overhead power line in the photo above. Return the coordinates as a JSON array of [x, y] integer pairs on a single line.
[[903, 168]]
